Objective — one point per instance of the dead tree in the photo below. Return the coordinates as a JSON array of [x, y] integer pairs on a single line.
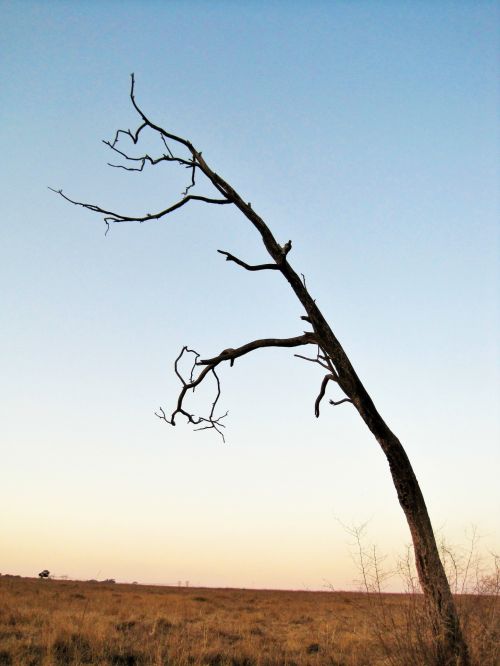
[[328, 354]]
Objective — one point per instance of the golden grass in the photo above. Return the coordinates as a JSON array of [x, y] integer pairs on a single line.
[[52, 622]]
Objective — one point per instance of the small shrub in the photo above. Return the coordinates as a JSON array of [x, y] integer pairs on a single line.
[[312, 648], [72, 650]]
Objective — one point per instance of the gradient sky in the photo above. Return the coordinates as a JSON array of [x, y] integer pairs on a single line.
[[365, 132]]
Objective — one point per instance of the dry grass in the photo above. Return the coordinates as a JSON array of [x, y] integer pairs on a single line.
[[66, 622]]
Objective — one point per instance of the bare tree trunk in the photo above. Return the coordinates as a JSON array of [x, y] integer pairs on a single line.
[[451, 647]]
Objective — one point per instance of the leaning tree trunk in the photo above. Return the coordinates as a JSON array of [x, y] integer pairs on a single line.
[[451, 647]]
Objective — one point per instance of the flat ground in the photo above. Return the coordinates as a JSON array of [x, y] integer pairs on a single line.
[[48, 622]]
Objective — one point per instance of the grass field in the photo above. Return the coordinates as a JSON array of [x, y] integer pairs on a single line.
[[46, 622]]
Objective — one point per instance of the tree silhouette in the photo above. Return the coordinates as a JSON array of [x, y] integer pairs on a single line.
[[327, 353]]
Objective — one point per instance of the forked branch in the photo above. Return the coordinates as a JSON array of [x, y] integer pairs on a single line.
[[209, 365]]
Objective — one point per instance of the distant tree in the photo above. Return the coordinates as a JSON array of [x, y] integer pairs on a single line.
[[328, 354], [44, 574]]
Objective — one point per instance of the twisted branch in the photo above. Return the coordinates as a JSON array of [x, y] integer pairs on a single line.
[[209, 366]]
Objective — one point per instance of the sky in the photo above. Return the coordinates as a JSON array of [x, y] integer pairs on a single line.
[[365, 132]]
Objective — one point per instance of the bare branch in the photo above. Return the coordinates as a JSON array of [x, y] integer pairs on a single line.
[[218, 393], [166, 145], [176, 363], [325, 362], [215, 425], [232, 354], [145, 158], [322, 390], [209, 365], [197, 356], [323, 356], [210, 421], [193, 163], [313, 360], [111, 216], [248, 267], [134, 137], [322, 359], [166, 135], [193, 182], [277, 252]]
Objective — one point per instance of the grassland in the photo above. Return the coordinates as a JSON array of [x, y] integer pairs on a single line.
[[53, 622]]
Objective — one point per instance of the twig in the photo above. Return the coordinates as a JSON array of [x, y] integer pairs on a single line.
[[339, 402], [313, 360]]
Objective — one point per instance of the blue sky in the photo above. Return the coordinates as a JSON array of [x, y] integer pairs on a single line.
[[365, 132]]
